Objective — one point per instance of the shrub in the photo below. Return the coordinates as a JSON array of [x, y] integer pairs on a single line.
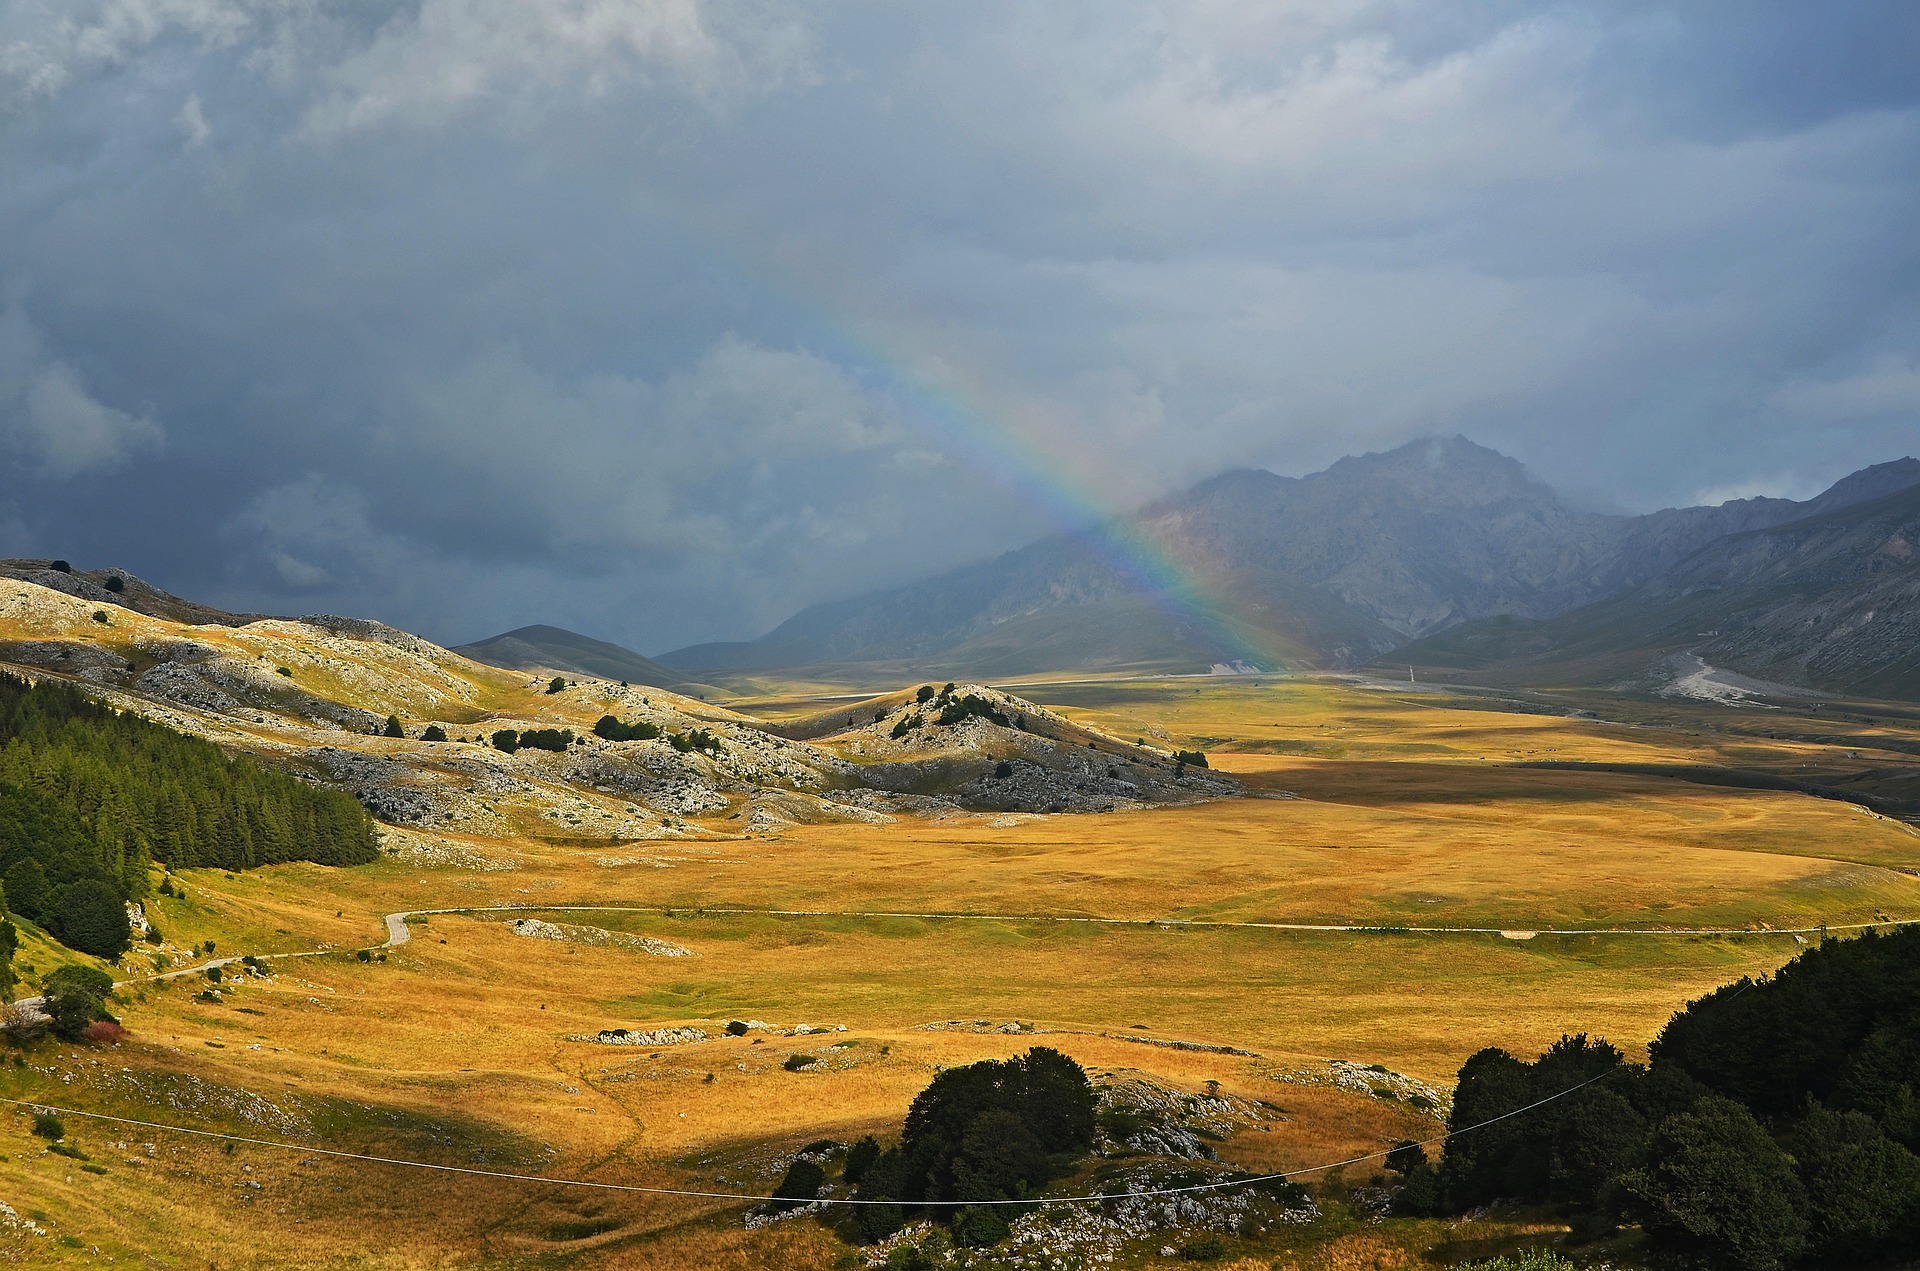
[[116, 584], [365, 955], [100, 616], [393, 728], [49, 1126], [1203, 1249], [556, 684], [433, 732], [1002, 770], [554, 739], [286, 671], [736, 1028], [796, 1063], [1191, 758], [610, 728], [802, 1183], [1406, 1157], [904, 725], [213, 973], [981, 1225], [507, 740], [925, 694], [104, 1032]]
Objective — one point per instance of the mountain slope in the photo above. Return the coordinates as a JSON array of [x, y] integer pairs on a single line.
[[1331, 569], [1830, 601], [557, 649]]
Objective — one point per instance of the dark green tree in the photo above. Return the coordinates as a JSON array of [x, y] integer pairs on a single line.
[[393, 728], [91, 916], [1717, 1191], [556, 684], [1863, 1189], [74, 997], [433, 732]]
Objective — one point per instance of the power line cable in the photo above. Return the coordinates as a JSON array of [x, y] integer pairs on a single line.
[[1095, 1198]]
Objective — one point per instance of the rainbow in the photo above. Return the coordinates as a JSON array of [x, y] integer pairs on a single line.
[[960, 409]]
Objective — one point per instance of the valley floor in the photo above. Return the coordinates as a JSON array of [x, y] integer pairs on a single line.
[[1267, 948]]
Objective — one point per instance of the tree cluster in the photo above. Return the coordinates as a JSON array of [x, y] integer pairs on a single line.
[[509, 740], [1189, 759], [1777, 1123], [699, 739], [610, 728], [990, 1131], [90, 798], [968, 706]]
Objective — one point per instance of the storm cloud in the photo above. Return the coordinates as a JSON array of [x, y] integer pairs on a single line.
[[662, 318]]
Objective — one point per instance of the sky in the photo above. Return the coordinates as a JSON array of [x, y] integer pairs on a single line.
[[661, 319]]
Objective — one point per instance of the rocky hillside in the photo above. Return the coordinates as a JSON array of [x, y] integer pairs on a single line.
[[1326, 570], [316, 695], [1830, 601]]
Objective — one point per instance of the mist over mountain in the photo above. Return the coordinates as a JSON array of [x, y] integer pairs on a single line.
[[1327, 570]]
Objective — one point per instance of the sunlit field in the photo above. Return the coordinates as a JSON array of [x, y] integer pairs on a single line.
[[1382, 809]]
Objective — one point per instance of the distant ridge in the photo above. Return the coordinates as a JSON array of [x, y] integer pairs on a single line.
[[557, 649], [1829, 601], [1329, 570]]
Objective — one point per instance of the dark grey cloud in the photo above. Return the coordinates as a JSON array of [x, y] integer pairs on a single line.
[[661, 318]]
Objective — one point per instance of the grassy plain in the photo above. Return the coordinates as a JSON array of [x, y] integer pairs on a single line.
[[1385, 807]]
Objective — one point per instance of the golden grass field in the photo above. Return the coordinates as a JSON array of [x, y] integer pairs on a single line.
[[1386, 807]]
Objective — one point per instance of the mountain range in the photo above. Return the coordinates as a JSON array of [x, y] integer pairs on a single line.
[[1407, 553]]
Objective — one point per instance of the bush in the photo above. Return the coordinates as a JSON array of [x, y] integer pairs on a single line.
[[796, 1063], [736, 1028], [365, 955], [1525, 1260], [554, 739], [1002, 770], [556, 684], [904, 725], [433, 732], [1191, 758], [507, 740], [925, 694], [981, 1225], [610, 728], [49, 1126], [1203, 1249], [116, 584], [393, 728], [802, 1183], [102, 1032]]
